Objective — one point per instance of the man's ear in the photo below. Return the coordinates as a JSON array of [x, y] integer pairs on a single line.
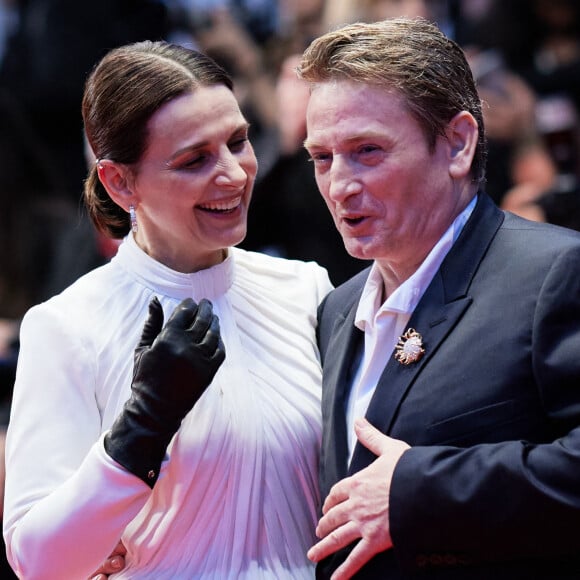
[[462, 135], [117, 180]]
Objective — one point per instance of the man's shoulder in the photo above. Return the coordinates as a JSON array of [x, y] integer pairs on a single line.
[[343, 296], [537, 238]]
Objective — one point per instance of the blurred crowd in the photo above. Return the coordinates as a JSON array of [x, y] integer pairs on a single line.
[[525, 55]]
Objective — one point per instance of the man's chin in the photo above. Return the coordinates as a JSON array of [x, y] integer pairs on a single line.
[[359, 248]]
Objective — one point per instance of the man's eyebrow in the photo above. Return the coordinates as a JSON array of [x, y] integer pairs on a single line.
[[352, 139]]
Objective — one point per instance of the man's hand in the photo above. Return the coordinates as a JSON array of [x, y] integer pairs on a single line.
[[114, 563], [358, 506]]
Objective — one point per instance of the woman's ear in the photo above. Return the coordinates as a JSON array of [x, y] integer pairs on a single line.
[[116, 179], [462, 135]]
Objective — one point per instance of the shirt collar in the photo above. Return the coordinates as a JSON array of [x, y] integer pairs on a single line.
[[406, 297], [209, 283]]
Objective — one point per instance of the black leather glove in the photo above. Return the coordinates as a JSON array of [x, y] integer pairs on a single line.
[[173, 367]]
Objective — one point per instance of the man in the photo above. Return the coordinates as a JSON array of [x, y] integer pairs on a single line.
[[460, 345]]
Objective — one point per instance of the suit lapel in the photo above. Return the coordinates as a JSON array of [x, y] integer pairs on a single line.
[[438, 312], [340, 357]]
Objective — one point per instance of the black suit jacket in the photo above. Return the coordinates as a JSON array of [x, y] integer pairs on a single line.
[[491, 485]]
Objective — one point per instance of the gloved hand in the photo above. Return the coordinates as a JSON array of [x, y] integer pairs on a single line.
[[173, 367]]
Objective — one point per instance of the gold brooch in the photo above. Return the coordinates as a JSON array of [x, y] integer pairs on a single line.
[[409, 349]]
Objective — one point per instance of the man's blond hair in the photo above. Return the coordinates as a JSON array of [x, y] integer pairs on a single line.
[[411, 56]]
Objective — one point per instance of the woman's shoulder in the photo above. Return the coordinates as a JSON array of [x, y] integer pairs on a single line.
[[280, 280], [276, 267], [269, 262], [81, 300]]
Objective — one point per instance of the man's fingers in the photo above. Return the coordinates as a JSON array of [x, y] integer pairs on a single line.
[[119, 549], [335, 518], [114, 563], [359, 556], [335, 540], [338, 493], [371, 437], [379, 443]]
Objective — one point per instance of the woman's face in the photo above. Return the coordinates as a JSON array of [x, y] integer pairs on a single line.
[[192, 187]]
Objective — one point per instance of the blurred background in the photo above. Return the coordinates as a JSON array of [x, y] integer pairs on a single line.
[[525, 55]]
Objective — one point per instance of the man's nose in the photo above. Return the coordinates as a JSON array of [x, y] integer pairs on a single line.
[[343, 180]]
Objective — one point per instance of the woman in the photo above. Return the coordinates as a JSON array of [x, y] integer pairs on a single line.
[[236, 496]]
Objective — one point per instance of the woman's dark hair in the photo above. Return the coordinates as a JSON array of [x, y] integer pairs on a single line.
[[122, 93]]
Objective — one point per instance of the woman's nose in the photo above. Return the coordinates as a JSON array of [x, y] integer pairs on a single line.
[[231, 173]]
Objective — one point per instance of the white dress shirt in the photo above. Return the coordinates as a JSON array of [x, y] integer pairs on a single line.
[[384, 323]]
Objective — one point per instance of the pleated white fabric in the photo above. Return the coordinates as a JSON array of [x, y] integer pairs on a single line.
[[237, 497]]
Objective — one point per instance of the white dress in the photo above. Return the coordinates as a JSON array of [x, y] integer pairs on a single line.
[[237, 496]]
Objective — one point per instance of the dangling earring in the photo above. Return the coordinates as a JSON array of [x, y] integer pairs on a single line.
[[133, 218]]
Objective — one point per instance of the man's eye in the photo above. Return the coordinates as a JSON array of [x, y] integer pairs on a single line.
[[320, 157], [368, 149], [238, 144]]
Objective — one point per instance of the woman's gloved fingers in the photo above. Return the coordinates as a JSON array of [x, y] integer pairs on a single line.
[[183, 315], [202, 322], [211, 345], [153, 324]]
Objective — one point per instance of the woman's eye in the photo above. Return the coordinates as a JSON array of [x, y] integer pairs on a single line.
[[194, 161]]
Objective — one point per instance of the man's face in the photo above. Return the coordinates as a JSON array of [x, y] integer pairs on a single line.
[[391, 197]]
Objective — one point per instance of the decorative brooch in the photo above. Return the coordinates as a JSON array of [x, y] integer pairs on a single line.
[[409, 349]]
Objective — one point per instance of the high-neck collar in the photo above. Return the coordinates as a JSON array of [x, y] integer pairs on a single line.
[[209, 283]]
